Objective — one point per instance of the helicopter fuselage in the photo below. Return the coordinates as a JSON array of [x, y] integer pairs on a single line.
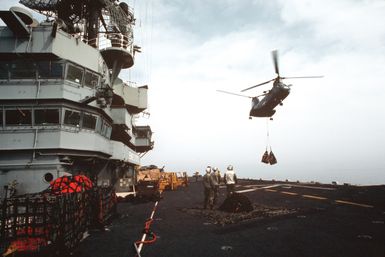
[[265, 106]]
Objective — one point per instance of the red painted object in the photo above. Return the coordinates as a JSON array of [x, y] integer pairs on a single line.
[[67, 184]]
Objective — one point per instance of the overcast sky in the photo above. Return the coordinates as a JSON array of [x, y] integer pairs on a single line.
[[329, 129]]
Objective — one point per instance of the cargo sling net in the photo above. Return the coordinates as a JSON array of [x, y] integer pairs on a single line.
[[268, 157], [34, 222], [55, 218]]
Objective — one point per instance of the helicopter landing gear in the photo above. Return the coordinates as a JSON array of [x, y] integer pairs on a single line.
[[271, 118], [250, 117], [280, 103]]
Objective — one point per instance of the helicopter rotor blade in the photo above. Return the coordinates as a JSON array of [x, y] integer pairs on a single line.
[[274, 54], [260, 84], [303, 77], [231, 93], [262, 94]]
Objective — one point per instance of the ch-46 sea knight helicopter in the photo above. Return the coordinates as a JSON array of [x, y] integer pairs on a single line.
[[273, 97]]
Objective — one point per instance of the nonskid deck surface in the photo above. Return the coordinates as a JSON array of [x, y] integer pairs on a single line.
[[289, 219]]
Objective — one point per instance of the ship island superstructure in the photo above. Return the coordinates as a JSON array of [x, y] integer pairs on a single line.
[[63, 108]]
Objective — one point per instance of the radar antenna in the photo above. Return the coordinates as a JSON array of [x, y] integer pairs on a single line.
[[90, 14]]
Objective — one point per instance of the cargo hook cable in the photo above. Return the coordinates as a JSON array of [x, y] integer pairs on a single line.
[[267, 135], [139, 244], [268, 158]]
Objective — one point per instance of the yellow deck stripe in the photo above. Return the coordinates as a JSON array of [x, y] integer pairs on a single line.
[[314, 197], [355, 204], [288, 193], [270, 190]]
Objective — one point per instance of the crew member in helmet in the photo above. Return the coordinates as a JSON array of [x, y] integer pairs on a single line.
[[216, 178], [208, 188], [230, 180]]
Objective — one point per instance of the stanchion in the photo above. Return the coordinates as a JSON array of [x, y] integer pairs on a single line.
[[139, 244]]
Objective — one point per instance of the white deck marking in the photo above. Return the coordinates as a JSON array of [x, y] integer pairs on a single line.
[[311, 187], [315, 197], [247, 190], [286, 186], [255, 189], [355, 204]]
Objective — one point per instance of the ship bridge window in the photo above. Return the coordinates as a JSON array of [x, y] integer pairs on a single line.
[[91, 79], [46, 117], [89, 121], [18, 117], [3, 70], [109, 130], [49, 69], [142, 134], [74, 74], [106, 129], [99, 125], [23, 69], [72, 118]]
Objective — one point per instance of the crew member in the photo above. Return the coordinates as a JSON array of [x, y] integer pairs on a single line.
[[196, 175], [208, 188], [216, 179], [230, 180]]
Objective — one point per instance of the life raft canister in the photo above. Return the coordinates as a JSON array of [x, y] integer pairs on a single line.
[[71, 184]]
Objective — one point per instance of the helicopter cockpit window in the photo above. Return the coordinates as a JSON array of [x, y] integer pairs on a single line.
[[72, 118], [91, 79], [46, 117], [89, 121], [3, 70], [18, 117], [23, 69], [50, 69], [74, 74]]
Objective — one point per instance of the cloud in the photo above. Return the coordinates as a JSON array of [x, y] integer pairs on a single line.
[[318, 116], [348, 25]]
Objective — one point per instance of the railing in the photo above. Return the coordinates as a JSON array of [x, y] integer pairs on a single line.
[[111, 39]]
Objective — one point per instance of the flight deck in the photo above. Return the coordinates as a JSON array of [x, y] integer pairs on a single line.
[[288, 219]]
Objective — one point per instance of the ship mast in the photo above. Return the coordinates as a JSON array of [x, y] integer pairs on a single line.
[[95, 21]]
